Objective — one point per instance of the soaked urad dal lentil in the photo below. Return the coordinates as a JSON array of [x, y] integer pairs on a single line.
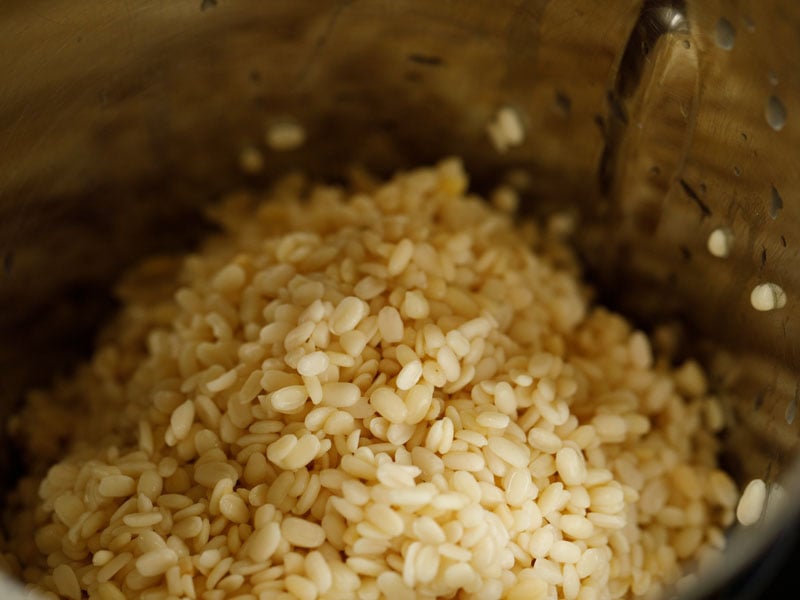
[[392, 392]]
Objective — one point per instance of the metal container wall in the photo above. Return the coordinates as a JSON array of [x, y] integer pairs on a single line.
[[656, 122]]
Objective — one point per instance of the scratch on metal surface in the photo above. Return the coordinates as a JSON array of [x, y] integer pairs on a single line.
[[320, 43], [44, 17], [689, 191], [24, 217], [127, 23]]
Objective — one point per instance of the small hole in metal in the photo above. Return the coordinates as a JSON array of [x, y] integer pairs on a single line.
[[791, 408], [758, 401], [776, 203], [773, 78], [563, 103], [725, 34], [775, 113]]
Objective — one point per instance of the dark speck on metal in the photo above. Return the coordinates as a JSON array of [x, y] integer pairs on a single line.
[[8, 262], [427, 60], [776, 203]]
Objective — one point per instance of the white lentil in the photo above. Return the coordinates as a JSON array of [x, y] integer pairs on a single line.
[[751, 503], [400, 257], [493, 420], [264, 542], [720, 242], [223, 382], [301, 588], [181, 419], [571, 584], [528, 589], [448, 363], [318, 571], [767, 296], [610, 428], [389, 405], [513, 453], [553, 498], [251, 160], [565, 552], [504, 398], [576, 526], [548, 571], [143, 519], [347, 315], [302, 533], [520, 487], [156, 562], [506, 129], [289, 399], [369, 287], [314, 363], [415, 305], [409, 375], [115, 486], [232, 507], [285, 135], [571, 466], [113, 566], [108, 591], [66, 582], [589, 562], [102, 557], [390, 324], [541, 541], [301, 453]]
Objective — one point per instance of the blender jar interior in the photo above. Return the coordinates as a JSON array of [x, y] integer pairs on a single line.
[[655, 123]]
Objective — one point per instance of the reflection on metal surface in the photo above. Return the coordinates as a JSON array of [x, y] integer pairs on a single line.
[[656, 93], [656, 18], [674, 17]]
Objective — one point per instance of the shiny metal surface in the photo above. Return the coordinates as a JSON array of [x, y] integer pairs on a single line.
[[656, 122]]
